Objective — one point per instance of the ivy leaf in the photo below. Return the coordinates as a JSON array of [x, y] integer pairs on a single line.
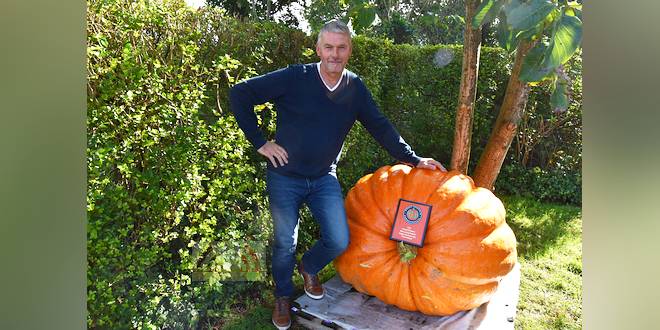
[[525, 15], [486, 12]]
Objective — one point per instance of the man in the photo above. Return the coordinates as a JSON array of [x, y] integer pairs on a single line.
[[316, 104]]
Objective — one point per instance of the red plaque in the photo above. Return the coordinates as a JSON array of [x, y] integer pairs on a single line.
[[410, 222]]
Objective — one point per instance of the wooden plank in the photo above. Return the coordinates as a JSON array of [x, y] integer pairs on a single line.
[[353, 310]]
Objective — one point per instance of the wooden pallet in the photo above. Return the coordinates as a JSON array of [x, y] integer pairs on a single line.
[[344, 308]]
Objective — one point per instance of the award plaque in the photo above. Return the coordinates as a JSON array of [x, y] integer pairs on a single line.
[[410, 222]]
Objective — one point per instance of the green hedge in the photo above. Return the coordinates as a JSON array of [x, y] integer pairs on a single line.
[[175, 192]]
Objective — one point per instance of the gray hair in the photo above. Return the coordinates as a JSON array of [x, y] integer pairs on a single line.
[[335, 26]]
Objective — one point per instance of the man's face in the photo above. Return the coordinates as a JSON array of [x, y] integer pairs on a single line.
[[334, 49]]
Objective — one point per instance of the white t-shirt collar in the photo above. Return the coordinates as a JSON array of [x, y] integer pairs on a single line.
[[332, 89]]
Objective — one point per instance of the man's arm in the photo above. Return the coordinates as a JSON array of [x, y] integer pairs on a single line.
[[254, 91], [386, 135], [258, 90]]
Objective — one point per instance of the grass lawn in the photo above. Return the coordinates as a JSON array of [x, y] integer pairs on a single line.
[[550, 253]]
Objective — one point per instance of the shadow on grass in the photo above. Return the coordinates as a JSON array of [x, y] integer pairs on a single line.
[[539, 226], [229, 305], [248, 305], [257, 316]]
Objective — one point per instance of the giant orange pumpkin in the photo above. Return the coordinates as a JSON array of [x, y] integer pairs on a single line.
[[468, 246]]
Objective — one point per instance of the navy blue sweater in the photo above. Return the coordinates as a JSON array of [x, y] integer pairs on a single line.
[[312, 121]]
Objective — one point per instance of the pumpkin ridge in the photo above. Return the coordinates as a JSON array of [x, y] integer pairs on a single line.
[[431, 292], [461, 238], [412, 283], [454, 202], [474, 290], [392, 185], [418, 293], [495, 243], [440, 220], [377, 280], [361, 227], [465, 216], [404, 297], [445, 178], [366, 185]]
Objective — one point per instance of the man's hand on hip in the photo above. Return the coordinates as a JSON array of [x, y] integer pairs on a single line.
[[273, 151], [431, 164]]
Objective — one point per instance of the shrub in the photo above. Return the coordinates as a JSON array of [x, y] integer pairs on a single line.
[[170, 196]]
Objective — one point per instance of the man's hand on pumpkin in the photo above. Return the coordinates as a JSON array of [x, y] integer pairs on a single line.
[[431, 164], [274, 151]]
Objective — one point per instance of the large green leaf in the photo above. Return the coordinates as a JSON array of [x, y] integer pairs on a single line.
[[366, 16], [529, 34], [575, 5], [565, 41], [362, 14], [559, 97], [487, 11], [532, 68], [505, 37], [524, 15]]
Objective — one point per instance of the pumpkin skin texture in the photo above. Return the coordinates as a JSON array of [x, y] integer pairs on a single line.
[[468, 246]]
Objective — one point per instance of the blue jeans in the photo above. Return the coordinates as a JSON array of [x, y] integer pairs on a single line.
[[324, 198]]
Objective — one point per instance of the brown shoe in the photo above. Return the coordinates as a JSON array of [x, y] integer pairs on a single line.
[[311, 283], [282, 313]]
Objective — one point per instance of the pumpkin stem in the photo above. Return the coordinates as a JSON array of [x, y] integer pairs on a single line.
[[407, 252]]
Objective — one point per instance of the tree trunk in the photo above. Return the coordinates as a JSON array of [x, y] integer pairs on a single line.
[[506, 124], [467, 94]]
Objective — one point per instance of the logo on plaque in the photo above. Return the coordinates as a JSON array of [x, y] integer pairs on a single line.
[[410, 222], [412, 214]]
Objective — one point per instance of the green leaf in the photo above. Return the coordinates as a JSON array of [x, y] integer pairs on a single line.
[[252, 276], [532, 67], [524, 15], [552, 17], [575, 5], [486, 12], [429, 20], [366, 16], [570, 12], [559, 97], [530, 34], [505, 36], [565, 41]]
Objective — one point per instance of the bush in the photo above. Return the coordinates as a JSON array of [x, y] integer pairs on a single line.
[[172, 195]]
